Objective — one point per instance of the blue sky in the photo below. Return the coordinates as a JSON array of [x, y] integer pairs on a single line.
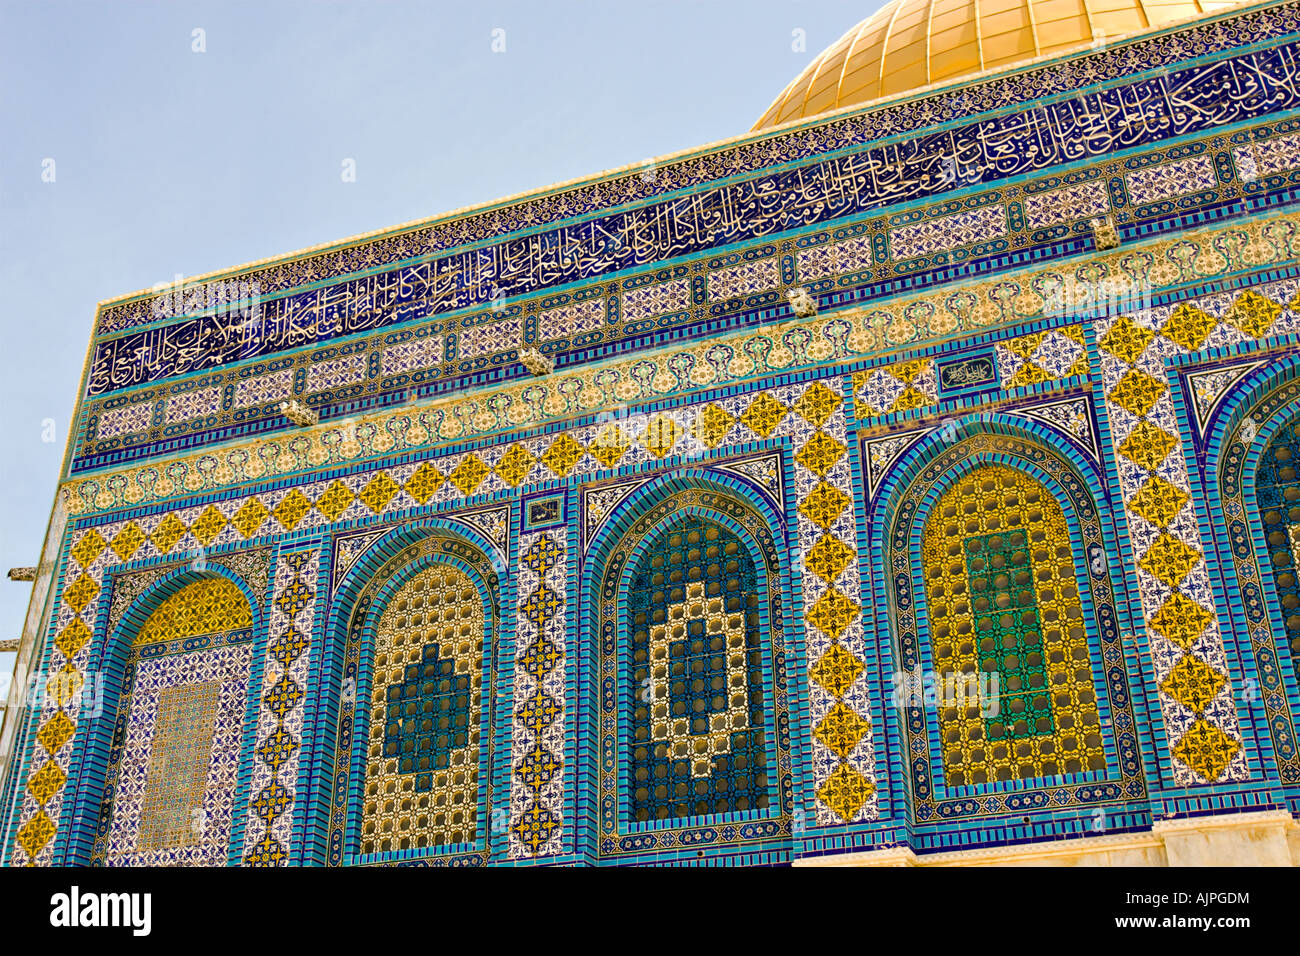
[[168, 160]]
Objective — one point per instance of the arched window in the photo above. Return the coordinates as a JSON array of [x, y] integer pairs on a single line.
[[1005, 608], [695, 740], [176, 740], [414, 733], [422, 775], [690, 675], [1277, 490]]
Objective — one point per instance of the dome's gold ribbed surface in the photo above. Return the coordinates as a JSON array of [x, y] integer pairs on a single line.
[[909, 44]]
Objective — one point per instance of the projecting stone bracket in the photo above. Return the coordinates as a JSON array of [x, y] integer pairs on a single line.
[[22, 574], [536, 362], [298, 413], [1105, 233], [801, 302]]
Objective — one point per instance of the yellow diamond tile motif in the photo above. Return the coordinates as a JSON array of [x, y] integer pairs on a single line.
[[36, 832], [292, 509], [1193, 683], [609, 445], [1253, 314], [515, 465], [828, 558], [1126, 340], [763, 415], [1188, 326], [832, 613], [127, 541], [168, 532], [1137, 392], [1158, 501], [65, 685], [562, 455], [248, 519], [1028, 374], [335, 500], [80, 593], [836, 670], [660, 436], [820, 453], [817, 404], [824, 504], [424, 482], [1169, 560], [841, 730], [55, 733], [1181, 620], [1147, 445], [908, 371], [910, 398], [91, 546], [469, 474], [1024, 345], [378, 492], [208, 525], [712, 424], [1080, 367], [46, 782], [73, 637], [845, 791], [1206, 749]]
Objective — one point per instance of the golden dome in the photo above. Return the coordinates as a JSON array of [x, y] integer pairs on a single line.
[[909, 44]]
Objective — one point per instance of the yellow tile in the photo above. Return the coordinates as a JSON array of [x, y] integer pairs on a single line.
[[1137, 392], [836, 670], [1169, 560], [845, 791], [249, 518], [1193, 683], [562, 455], [763, 415], [80, 593], [824, 504], [1181, 620], [660, 436], [128, 541], [841, 730], [90, 547], [292, 509], [469, 474], [1147, 445], [424, 482], [1158, 501], [515, 465], [1126, 340], [833, 613], [1207, 750], [208, 525]]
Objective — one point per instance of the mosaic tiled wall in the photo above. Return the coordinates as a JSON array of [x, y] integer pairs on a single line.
[[861, 218], [1011, 301], [279, 754], [826, 452], [694, 596], [539, 730], [173, 770], [1005, 601], [421, 780], [414, 739]]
